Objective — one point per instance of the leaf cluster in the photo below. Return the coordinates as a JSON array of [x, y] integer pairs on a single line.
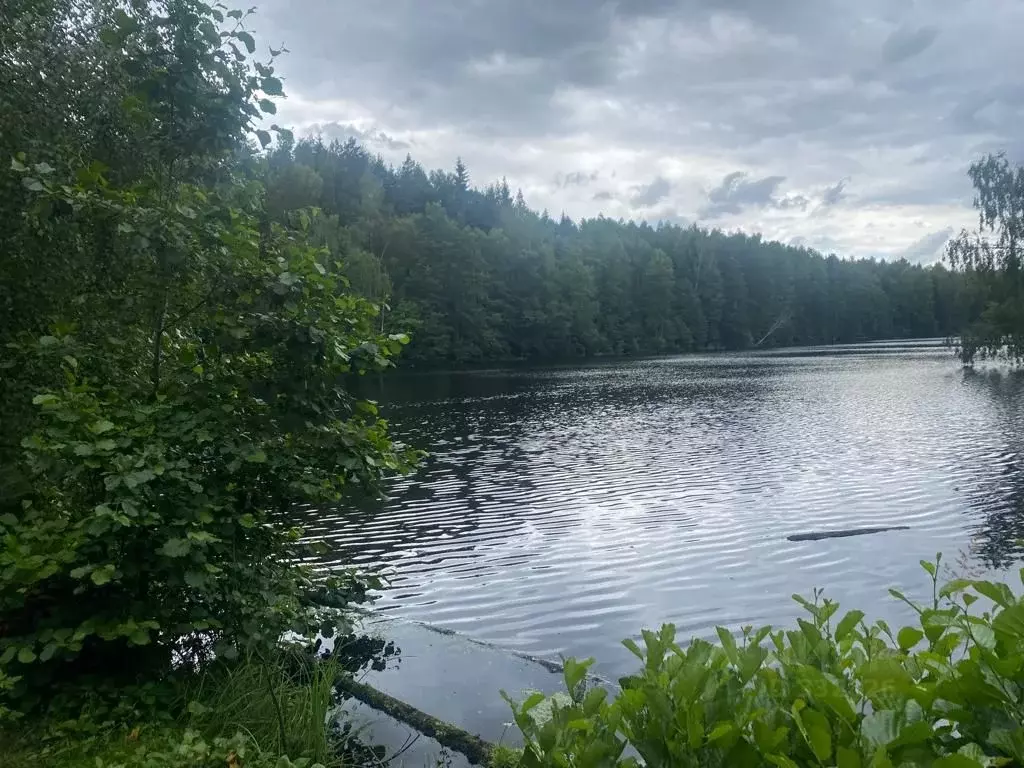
[[835, 691]]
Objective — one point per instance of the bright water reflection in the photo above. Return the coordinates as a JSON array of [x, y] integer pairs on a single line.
[[564, 508]]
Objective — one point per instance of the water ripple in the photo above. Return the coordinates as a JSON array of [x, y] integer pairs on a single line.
[[563, 509]]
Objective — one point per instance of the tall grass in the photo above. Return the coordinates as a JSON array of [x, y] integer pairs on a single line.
[[282, 703]]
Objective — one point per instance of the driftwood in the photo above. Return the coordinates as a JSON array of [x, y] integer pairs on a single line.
[[473, 747], [845, 532]]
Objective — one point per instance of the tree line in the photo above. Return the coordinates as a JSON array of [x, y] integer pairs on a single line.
[[476, 275]]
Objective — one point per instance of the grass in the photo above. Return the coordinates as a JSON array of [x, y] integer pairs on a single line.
[[244, 714], [282, 704], [505, 757]]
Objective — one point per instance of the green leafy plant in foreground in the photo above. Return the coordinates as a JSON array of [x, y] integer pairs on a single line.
[[836, 691]]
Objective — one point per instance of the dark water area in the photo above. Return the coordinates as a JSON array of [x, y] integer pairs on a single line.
[[564, 508]]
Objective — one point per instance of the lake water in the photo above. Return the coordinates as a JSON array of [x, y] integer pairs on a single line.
[[564, 508]]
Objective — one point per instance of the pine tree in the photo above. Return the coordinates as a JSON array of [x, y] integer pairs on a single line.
[[461, 176]]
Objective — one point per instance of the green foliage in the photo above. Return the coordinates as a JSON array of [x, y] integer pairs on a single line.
[[505, 757], [834, 691], [475, 275], [283, 701], [991, 260], [154, 747], [175, 363]]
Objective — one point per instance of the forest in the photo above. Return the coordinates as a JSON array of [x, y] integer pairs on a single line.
[[475, 275]]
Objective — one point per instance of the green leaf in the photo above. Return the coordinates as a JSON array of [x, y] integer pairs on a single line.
[[908, 637], [767, 738], [139, 637], [31, 184], [247, 520], [847, 758], [695, 726], [819, 733], [257, 457], [720, 731], [633, 648], [1000, 594], [264, 138], [101, 576], [247, 41], [915, 733], [848, 623], [235, 14], [100, 426], [272, 86], [728, 644], [44, 399], [26, 655], [268, 106], [1009, 624], [826, 691], [175, 548], [955, 586]]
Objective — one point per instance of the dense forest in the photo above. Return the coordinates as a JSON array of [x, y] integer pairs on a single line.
[[476, 275]]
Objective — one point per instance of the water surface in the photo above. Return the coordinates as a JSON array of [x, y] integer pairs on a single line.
[[564, 508]]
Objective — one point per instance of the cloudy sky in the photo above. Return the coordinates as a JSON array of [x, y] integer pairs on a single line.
[[845, 125]]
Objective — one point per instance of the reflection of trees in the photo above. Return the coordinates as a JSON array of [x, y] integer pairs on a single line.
[[513, 446], [471, 424], [999, 496]]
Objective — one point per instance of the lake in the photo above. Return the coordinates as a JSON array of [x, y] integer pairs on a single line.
[[564, 508]]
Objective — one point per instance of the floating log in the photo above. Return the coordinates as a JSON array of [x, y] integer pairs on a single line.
[[844, 533]]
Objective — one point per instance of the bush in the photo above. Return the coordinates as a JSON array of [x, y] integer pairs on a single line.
[[176, 381], [836, 691]]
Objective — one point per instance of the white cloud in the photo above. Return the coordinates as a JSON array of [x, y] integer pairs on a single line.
[[744, 111]]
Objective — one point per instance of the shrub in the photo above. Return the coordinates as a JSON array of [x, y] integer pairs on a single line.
[[180, 382], [836, 691]]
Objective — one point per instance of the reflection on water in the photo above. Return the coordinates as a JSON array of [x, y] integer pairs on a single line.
[[564, 508]]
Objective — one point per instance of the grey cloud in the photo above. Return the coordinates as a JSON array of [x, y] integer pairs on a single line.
[[792, 202], [835, 194], [577, 179], [646, 195], [824, 90], [907, 42], [604, 195], [737, 192], [928, 248], [344, 131]]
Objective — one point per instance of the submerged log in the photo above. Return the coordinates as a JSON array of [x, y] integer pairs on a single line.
[[845, 532]]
